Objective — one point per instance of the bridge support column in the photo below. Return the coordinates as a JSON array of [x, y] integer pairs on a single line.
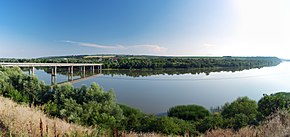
[[70, 73], [31, 71], [53, 75], [93, 69], [53, 80], [83, 69], [72, 70], [54, 71], [100, 69]]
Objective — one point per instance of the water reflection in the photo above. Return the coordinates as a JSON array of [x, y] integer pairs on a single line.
[[144, 73]]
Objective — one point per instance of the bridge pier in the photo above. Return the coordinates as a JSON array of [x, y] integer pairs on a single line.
[[83, 71], [53, 80], [99, 69], [53, 75], [70, 73], [54, 71], [31, 71], [93, 69]]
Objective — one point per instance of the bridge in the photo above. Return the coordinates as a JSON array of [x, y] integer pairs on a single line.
[[54, 67]]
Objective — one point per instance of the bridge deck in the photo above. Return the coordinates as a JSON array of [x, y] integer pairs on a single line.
[[47, 64]]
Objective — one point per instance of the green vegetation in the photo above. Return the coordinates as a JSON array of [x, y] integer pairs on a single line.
[[240, 113], [188, 112], [159, 62], [86, 106], [92, 106], [270, 104], [188, 62]]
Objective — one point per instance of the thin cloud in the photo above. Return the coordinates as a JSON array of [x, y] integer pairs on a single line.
[[132, 48], [93, 45], [153, 48], [208, 45]]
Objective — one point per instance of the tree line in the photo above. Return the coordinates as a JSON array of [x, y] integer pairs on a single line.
[[159, 62]]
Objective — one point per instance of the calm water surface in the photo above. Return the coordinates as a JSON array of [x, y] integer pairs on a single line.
[[157, 93]]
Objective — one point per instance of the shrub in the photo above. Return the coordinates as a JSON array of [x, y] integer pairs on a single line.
[[239, 113], [188, 112], [272, 103]]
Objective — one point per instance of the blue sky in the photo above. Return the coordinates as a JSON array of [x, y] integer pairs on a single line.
[[35, 28]]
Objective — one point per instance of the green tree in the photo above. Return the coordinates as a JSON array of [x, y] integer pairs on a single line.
[[210, 122], [243, 110], [132, 120], [269, 104], [188, 112]]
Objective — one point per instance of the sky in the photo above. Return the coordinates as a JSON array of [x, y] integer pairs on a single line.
[[38, 28]]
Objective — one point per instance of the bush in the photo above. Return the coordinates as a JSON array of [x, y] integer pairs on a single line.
[[210, 122], [272, 103], [132, 120], [241, 112], [188, 112]]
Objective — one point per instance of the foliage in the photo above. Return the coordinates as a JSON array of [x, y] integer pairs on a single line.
[[188, 112], [168, 125], [158, 62], [241, 112], [210, 122], [132, 120], [272, 103], [86, 106]]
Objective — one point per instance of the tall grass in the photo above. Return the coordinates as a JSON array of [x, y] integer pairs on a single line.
[[277, 125], [21, 120]]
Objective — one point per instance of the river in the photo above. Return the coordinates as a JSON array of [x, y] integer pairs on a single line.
[[154, 92]]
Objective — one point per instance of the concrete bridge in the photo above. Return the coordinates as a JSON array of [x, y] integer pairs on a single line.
[[54, 66]]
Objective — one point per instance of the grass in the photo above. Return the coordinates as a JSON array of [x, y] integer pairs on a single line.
[[21, 120], [277, 125]]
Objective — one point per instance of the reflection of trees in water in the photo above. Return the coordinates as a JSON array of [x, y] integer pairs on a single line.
[[143, 73], [148, 72]]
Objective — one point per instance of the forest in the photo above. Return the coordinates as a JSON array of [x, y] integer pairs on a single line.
[[92, 106], [158, 62]]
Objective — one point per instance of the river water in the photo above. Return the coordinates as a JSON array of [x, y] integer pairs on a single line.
[[154, 92]]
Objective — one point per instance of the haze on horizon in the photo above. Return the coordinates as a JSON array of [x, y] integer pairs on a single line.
[[165, 27]]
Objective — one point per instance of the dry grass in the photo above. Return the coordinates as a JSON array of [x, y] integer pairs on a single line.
[[20, 120], [144, 135], [278, 125]]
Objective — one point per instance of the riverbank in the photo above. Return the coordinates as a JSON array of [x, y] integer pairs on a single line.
[[21, 120]]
